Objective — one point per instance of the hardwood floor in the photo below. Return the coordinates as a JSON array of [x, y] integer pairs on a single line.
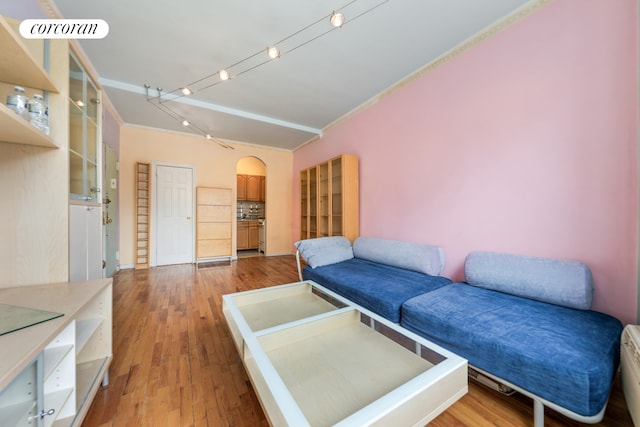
[[175, 364]]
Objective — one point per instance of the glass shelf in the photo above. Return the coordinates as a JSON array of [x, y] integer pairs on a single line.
[[14, 318]]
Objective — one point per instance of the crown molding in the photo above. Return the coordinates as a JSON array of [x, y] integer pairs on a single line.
[[482, 35]]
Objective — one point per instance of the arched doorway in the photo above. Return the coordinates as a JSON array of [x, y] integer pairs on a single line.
[[251, 212]]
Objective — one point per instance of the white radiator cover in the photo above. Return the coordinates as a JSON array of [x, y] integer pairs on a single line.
[[630, 366]]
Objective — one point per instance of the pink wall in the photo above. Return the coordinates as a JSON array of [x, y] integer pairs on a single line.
[[526, 143]]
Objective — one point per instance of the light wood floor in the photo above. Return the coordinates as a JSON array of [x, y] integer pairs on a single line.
[[175, 364]]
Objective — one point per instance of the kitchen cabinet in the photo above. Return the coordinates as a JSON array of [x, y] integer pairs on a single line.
[[254, 239], [241, 187], [247, 235], [251, 188], [329, 199], [242, 235], [51, 372], [213, 222], [263, 188]]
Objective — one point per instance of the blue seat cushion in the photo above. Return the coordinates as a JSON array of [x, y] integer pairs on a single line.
[[564, 355], [377, 287]]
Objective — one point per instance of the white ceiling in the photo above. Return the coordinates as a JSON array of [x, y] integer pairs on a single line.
[[282, 103]]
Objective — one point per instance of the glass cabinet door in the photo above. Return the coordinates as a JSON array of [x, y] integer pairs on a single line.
[[336, 197], [84, 114]]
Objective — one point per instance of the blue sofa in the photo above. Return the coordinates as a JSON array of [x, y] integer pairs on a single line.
[[379, 275], [523, 323]]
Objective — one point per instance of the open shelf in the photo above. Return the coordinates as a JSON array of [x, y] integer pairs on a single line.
[[84, 330], [57, 399], [88, 375], [18, 65], [53, 356], [14, 414], [17, 130]]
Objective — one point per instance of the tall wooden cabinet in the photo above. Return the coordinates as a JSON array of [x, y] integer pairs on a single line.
[[59, 364], [329, 199], [34, 179], [213, 222]]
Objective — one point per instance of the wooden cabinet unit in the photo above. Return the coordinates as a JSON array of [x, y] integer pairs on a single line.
[[35, 166], [242, 187], [248, 235], [213, 226], [243, 235], [254, 240], [329, 199], [263, 188], [251, 188]]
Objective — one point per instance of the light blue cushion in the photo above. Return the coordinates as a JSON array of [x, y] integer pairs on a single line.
[[324, 250], [427, 259], [560, 282]]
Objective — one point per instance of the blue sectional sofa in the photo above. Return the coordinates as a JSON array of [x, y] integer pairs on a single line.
[[376, 274], [523, 323]]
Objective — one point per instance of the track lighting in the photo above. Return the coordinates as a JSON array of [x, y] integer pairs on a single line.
[[337, 19], [273, 52]]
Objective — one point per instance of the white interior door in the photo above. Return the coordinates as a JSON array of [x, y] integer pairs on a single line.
[[174, 213]]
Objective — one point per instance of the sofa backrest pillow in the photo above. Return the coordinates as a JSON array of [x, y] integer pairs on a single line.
[[324, 250], [560, 282], [418, 257]]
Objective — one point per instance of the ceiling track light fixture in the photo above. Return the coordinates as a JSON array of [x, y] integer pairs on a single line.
[[156, 102], [337, 20], [273, 52]]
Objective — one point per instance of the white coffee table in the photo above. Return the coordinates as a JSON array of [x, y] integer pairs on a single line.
[[317, 359]]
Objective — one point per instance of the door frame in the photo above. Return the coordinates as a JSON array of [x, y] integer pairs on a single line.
[[113, 241], [153, 230]]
